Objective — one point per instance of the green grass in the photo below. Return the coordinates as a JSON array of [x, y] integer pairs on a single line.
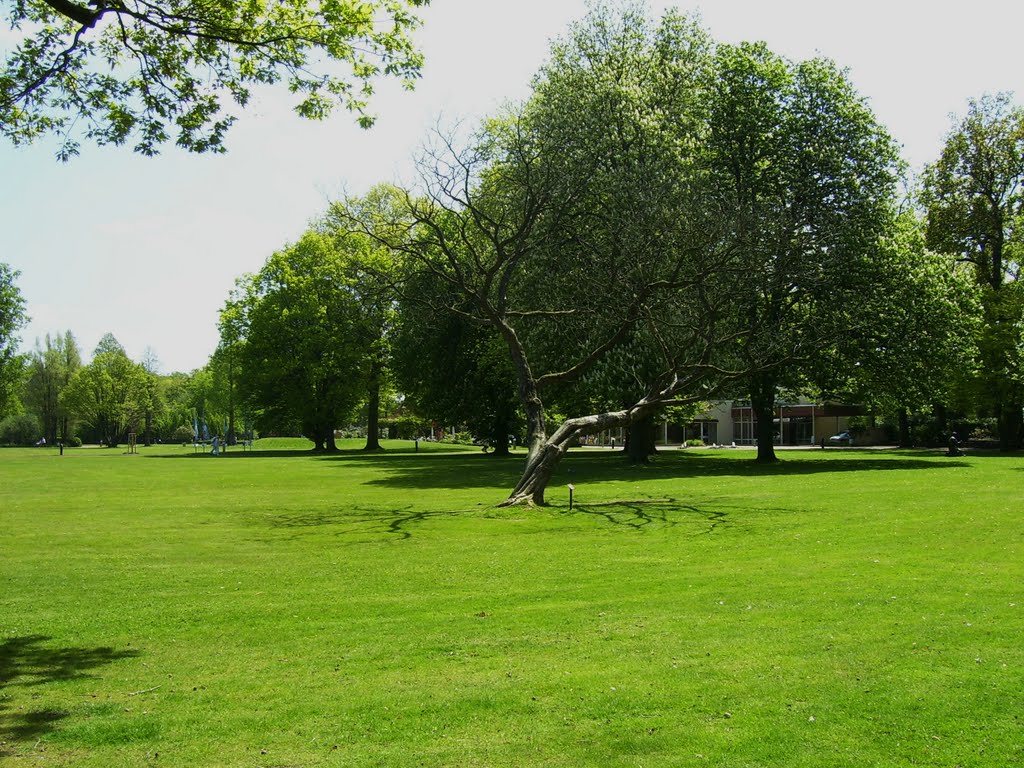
[[276, 608]]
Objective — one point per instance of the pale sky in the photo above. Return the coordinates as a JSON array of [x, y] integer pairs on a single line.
[[148, 249]]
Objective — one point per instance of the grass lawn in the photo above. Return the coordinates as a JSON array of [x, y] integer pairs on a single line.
[[275, 608]]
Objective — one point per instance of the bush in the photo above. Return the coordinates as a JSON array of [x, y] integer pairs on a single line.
[[73, 442], [20, 430], [184, 434]]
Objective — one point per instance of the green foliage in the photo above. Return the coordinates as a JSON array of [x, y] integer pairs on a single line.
[[50, 368], [12, 319], [809, 175], [111, 394], [303, 340], [974, 198], [405, 427], [22, 429], [458, 438], [917, 343], [451, 369], [178, 70], [974, 192]]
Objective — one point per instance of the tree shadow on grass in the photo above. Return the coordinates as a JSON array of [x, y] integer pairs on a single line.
[[479, 471], [641, 514], [361, 524], [357, 522], [705, 517], [28, 662]]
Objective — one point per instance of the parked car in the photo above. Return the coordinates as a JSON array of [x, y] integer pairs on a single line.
[[843, 438]]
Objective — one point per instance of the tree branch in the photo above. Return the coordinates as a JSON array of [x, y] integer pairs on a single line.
[[84, 16]]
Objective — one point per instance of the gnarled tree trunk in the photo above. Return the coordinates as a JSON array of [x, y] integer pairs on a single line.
[[545, 455]]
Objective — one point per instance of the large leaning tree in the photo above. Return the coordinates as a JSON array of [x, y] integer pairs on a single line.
[[974, 198], [149, 71], [586, 223]]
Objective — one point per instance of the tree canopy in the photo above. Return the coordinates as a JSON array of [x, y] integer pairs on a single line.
[[112, 394], [113, 71], [305, 340], [51, 366], [452, 369], [810, 175], [12, 319], [974, 199]]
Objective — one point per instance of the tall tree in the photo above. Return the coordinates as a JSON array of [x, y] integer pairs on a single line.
[[227, 358], [974, 198], [154, 403], [921, 344], [12, 319], [51, 366], [111, 394], [373, 285], [454, 370], [173, 421], [149, 72], [300, 356], [811, 175]]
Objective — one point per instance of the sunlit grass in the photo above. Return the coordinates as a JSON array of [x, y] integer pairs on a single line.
[[277, 608]]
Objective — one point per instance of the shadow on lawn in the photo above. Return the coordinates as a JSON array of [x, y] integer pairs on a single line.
[[357, 522], [426, 469], [643, 513], [401, 524], [477, 470], [28, 662]]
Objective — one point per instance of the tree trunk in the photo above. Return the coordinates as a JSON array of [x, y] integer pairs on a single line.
[[640, 440], [330, 446], [762, 402], [1010, 426], [904, 426], [231, 436], [499, 437], [543, 459], [373, 410], [539, 467], [315, 432]]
